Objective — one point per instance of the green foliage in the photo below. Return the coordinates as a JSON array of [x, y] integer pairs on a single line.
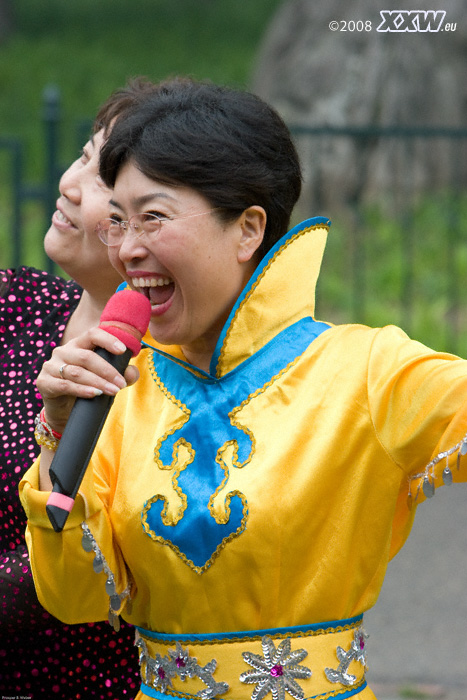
[[401, 268], [90, 47]]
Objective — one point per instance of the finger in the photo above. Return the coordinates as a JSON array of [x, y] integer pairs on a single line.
[[81, 354], [93, 374], [77, 351], [131, 375], [96, 337], [85, 374]]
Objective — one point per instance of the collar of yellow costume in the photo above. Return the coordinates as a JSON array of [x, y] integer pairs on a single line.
[[279, 295]]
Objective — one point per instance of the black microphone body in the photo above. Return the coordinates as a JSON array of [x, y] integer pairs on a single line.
[[79, 439]]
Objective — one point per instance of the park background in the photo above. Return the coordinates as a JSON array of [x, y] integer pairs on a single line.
[[412, 256]]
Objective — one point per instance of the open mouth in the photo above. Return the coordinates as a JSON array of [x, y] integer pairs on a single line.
[[157, 289], [61, 220], [60, 215]]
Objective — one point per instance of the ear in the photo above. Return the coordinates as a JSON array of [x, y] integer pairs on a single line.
[[252, 225]]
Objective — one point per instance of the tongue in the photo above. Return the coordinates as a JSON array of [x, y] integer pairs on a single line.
[[159, 295]]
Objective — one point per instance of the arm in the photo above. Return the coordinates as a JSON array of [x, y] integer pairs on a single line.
[[418, 401], [418, 406], [65, 581], [84, 374]]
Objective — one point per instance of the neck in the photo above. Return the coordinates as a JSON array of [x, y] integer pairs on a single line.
[[199, 354], [86, 315], [200, 360]]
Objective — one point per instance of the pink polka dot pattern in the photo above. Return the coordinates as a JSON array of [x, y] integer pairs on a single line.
[[39, 656]]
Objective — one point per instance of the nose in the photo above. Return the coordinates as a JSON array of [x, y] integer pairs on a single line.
[[132, 247], [69, 185]]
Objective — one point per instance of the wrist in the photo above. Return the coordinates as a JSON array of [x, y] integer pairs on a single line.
[[45, 435], [42, 417]]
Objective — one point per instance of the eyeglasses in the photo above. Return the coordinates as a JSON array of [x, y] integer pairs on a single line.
[[112, 231]]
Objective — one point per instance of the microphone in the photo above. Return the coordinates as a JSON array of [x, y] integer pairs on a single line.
[[126, 316]]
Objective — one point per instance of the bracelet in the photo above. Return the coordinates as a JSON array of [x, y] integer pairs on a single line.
[[49, 429], [45, 435]]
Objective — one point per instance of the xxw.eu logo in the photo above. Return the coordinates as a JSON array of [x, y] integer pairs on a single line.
[[414, 21]]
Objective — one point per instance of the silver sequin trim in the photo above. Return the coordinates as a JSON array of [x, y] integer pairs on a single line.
[[275, 672], [357, 652], [158, 672], [100, 565], [428, 474]]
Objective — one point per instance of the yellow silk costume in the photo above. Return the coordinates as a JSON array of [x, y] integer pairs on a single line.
[[267, 495]]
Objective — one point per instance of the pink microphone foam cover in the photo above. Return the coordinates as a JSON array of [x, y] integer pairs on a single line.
[[126, 316]]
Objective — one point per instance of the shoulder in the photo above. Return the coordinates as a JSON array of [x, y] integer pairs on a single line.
[[363, 340], [388, 357], [386, 339], [29, 286], [375, 352], [34, 298]]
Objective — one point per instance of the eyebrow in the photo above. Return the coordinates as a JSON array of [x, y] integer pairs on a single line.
[[144, 199], [91, 141]]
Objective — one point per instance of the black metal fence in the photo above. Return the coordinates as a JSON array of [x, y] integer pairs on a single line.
[[397, 251], [44, 193]]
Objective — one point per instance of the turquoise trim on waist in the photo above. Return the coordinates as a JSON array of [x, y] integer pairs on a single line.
[[271, 632], [151, 693]]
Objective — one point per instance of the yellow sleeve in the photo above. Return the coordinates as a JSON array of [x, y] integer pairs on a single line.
[[417, 399], [418, 404], [67, 584]]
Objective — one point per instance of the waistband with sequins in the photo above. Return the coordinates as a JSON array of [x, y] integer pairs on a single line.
[[324, 660]]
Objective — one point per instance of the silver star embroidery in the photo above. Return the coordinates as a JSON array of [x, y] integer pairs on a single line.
[[183, 665], [155, 672], [357, 652], [158, 673], [276, 671], [214, 689]]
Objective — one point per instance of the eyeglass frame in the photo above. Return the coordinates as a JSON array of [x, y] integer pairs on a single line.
[[126, 225]]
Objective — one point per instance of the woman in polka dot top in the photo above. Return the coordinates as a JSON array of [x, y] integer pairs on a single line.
[[39, 656]]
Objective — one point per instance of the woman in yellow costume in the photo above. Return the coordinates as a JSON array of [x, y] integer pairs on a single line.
[[250, 487]]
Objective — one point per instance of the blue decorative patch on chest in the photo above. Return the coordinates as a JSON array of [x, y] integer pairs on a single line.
[[194, 451]]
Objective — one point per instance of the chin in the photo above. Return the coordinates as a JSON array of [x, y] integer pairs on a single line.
[[54, 246], [164, 336]]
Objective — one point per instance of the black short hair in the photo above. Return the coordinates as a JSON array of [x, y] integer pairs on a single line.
[[227, 144], [123, 98]]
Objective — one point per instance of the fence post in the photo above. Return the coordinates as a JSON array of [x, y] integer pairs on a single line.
[[51, 118]]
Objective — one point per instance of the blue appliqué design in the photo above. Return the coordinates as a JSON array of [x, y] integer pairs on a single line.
[[207, 442]]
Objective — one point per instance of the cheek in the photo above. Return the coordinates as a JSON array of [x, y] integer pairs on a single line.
[[101, 255], [114, 258], [95, 206]]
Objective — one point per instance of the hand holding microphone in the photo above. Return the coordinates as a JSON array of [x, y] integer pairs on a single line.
[[126, 316]]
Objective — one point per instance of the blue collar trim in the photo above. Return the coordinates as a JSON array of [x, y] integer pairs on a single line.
[[315, 221]]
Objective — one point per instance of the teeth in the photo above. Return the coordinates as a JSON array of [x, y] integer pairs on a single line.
[[150, 281], [62, 217]]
